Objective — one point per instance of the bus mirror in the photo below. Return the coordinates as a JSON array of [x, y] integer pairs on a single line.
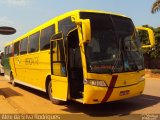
[[7, 30], [146, 36], [86, 30]]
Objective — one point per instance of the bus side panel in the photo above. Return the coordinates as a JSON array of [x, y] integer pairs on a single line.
[[15, 65], [19, 68], [37, 67], [44, 67], [32, 69], [22, 68]]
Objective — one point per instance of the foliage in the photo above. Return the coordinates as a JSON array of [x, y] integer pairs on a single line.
[[156, 6]]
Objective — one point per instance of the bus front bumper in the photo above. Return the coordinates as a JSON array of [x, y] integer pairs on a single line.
[[96, 95]]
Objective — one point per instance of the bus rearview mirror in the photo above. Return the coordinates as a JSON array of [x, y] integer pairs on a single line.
[[86, 29], [150, 36]]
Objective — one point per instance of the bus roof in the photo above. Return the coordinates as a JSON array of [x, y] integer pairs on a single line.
[[9, 43], [98, 11], [50, 22]]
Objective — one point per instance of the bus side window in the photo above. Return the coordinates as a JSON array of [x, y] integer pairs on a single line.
[[6, 51], [34, 42], [23, 46], [10, 51], [45, 37], [59, 65], [16, 48]]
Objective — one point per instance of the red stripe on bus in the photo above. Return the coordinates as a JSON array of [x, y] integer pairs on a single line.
[[110, 88]]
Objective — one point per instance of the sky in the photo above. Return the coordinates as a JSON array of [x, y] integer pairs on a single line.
[[25, 15]]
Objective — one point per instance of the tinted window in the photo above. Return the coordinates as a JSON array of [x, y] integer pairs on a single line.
[[34, 42], [6, 51], [112, 48], [102, 50], [10, 51], [23, 47], [66, 25], [16, 48], [45, 37], [58, 58], [123, 25]]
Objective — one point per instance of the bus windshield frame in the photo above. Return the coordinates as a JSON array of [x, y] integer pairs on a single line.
[[114, 46]]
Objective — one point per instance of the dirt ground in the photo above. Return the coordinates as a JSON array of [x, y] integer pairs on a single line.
[[152, 73]]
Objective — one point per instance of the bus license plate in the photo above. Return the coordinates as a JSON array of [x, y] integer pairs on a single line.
[[122, 93]]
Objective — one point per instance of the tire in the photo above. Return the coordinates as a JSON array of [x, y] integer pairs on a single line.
[[53, 100], [12, 80]]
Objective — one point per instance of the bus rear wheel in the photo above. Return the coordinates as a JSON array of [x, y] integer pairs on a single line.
[[12, 80], [53, 100]]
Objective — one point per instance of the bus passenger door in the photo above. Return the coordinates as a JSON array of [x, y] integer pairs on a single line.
[[58, 70]]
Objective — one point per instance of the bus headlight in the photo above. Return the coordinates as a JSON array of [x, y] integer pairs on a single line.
[[99, 83]]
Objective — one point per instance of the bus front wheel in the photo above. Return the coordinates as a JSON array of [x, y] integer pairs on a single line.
[[53, 100]]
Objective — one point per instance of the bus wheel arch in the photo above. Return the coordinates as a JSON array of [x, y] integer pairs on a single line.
[[48, 79], [11, 76], [48, 86]]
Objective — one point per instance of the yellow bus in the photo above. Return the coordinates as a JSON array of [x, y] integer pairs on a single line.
[[87, 56]]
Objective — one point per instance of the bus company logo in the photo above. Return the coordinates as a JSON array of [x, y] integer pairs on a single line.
[[150, 117], [31, 61]]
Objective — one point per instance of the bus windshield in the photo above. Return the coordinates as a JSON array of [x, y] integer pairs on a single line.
[[114, 45]]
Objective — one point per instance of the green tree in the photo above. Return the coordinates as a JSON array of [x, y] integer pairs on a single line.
[[156, 6]]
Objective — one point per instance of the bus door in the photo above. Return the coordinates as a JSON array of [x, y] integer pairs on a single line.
[[75, 69], [58, 68]]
